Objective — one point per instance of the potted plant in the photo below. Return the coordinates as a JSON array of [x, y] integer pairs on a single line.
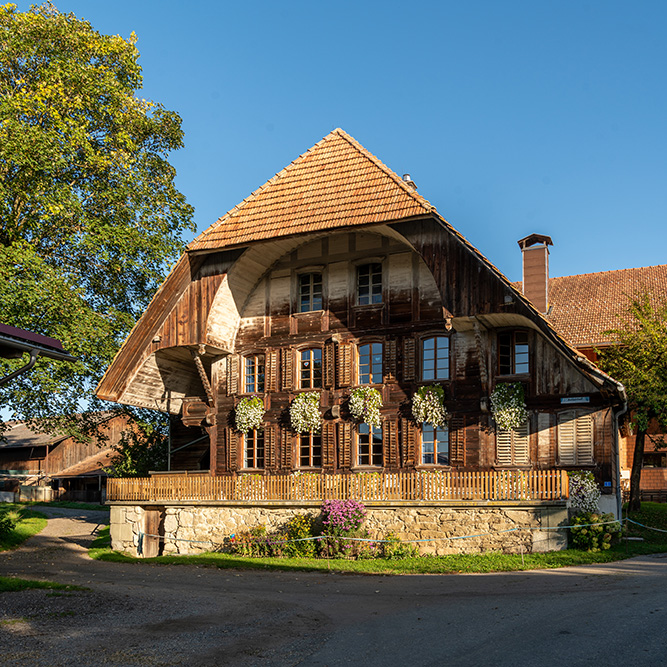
[[249, 414], [365, 404], [508, 405], [305, 414], [428, 406]]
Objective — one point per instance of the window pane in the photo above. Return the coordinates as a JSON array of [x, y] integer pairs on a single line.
[[435, 358], [369, 284], [310, 292]]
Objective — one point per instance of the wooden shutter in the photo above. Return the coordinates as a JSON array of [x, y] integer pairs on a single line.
[[328, 445], [521, 444], [409, 360], [390, 443], [389, 361], [457, 444], [408, 443], [345, 351], [232, 374], [232, 450], [272, 370], [329, 365], [270, 447], [503, 447], [345, 444], [567, 438], [584, 439], [285, 449], [287, 368]]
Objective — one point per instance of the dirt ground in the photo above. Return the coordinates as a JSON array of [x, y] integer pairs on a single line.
[[136, 614]]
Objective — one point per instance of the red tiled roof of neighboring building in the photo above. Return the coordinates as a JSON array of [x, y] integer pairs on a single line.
[[583, 307], [335, 184]]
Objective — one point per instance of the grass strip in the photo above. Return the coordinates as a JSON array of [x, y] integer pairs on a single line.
[[30, 524], [68, 504], [11, 584]]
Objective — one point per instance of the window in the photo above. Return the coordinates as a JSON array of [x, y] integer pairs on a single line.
[[310, 369], [254, 374], [253, 449], [310, 292], [513, 353], [369, 284], [310, 450], [435, 445], [575, 438], [512, 446], [435, 358], [369, 445], [370, 363]]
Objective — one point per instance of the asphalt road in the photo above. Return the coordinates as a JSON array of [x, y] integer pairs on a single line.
[[137, 614]]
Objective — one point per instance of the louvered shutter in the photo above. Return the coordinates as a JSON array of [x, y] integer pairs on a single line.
[[389, 361], [409, 360], [344, 444], [457, 441], [329, 365], [269, 447], [285, 449], [567, 438], [521, 444], [232, 449], [503, 447], [390, 451], [584, 444], [272, 370], [232, 374], [345, 351], [287, 368], [408, 441], [328, 444]]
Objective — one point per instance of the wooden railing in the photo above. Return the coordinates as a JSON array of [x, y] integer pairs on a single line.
[[416, 486]]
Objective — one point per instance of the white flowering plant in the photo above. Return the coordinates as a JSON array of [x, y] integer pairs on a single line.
[[365, 404], [249, 414], [304, 413], [428, 406], [508, 405], [584, 492]]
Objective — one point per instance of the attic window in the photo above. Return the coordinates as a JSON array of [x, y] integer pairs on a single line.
[[513, 353], [310, 292], [369, 284]]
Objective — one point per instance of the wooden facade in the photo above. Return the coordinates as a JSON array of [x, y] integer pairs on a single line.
[[394, 299]]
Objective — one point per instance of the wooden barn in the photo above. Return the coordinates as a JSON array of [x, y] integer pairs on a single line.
[[333, 277]]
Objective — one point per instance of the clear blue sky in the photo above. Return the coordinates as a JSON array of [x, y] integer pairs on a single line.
[[512, 116]]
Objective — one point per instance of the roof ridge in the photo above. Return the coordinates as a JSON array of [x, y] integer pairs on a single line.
[[599, 273], [413, 194]]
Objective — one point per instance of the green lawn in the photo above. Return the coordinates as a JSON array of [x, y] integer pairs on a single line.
[[68, 504], [652, 514], [30, 524], [12, 584]]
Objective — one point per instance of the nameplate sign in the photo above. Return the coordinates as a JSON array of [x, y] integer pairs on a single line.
[[570, 400]]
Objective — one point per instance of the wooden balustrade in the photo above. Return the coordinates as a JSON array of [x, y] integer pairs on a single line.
[[381, 486]]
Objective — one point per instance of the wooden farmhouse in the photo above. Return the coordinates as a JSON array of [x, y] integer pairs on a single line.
[[337, 275], [583, 308]]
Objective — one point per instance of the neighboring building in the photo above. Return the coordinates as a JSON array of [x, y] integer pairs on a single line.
[[334, 275], [44, 466], [583, 308]]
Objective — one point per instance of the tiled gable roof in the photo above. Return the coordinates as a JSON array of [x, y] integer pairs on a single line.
[[583, 307], [335, 184]]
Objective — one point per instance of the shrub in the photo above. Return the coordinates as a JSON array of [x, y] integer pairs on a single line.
[[394, 549], [8, 522], [254, 543], [299, 527], [342, 519], [594, 538], [584, 492]]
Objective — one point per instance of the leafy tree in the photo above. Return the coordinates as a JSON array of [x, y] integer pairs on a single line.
[[639, 361], [90, 217]]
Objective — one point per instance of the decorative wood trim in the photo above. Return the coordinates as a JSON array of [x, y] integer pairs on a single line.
[[197, 355]]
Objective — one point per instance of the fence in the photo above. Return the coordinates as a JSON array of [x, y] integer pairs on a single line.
[[382, 486]]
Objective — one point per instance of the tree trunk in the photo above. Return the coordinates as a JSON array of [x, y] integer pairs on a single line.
[[635, 502]]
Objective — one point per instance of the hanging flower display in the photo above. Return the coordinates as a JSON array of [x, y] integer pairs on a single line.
[[304, 413], [365, 404], [249, 414], [428, 406], [508, 405]]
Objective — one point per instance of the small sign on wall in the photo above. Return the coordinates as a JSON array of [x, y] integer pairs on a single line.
[[570, 400]]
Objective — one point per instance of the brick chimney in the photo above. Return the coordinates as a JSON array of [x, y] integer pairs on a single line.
[[535, 251]]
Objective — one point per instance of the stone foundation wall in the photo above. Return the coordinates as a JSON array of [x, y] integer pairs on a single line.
[[197, 528]]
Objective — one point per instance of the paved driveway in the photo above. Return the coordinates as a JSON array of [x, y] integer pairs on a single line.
[[136, 614]]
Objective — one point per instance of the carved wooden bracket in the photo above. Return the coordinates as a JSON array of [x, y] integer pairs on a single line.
[[197, 355]]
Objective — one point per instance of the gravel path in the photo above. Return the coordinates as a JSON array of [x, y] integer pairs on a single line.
[[137, 614]]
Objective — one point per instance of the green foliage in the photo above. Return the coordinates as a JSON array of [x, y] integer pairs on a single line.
[[28, 523], [594, 537], [8, 521], [13, 584], [299, 527], [89, 214], [394, 549], [639, 360], [140, 449]]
